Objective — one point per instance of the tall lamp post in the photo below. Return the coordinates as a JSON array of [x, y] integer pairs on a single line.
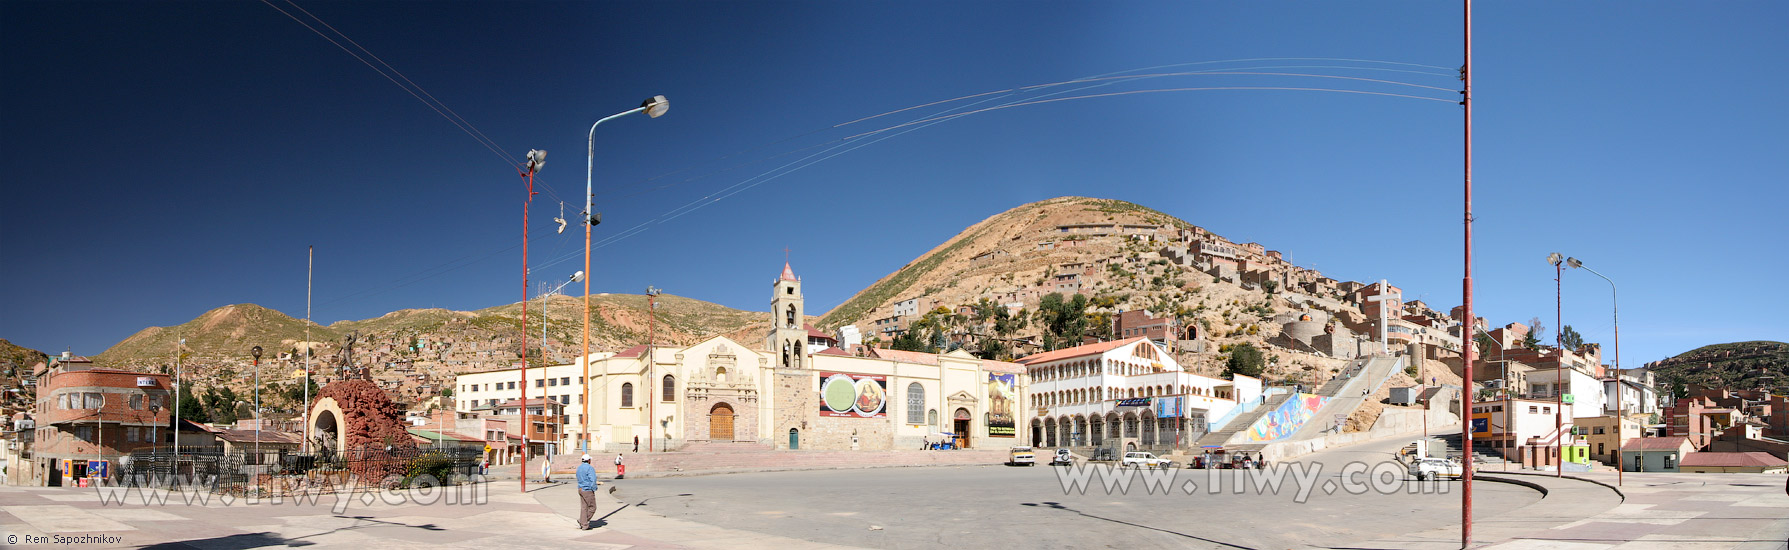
[[256, 351], [1620, 421], [1466, 316], [1559, 379], [177, 380], [652, 380], [654, 107], [536, 159]]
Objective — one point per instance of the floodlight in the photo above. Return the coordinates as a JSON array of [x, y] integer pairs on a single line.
[[561, 222], [657, 106], [1554, 258], [536, 160]]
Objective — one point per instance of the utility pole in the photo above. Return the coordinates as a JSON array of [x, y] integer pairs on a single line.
[[652, 365], [310, 262], [1467, 318], [536, 159]]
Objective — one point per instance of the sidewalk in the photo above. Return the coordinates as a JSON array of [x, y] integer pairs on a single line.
[[1650, 511], [631, 523]]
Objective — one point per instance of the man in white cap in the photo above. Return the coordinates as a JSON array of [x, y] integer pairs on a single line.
[[587, 484]]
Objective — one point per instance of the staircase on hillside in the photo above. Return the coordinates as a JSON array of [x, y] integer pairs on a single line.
[[1455, 446], [1243, 421]]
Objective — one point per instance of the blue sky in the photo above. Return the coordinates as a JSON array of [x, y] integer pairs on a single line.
[[164, 159]]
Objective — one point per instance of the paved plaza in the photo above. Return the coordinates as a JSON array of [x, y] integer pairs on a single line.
[[956, 506]]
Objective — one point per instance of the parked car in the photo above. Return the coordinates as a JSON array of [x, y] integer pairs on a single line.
[[1432, 468], [1139, 459], [1063, 458], [1018, 456]]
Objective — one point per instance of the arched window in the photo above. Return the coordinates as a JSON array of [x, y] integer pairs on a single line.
[[789, 317], [627, 394], [932, 417], [670, 388], [916, 403], [720, 374]]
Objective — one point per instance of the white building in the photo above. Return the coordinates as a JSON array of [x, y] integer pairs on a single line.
[[796, 391], [1130, 394], [1585, 391], [1637, 393]]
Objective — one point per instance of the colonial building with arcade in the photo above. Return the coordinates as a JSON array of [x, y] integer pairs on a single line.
[[1128, 394], [790, 391]]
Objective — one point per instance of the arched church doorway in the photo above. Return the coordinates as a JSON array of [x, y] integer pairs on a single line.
[[962, 427], [720, 422]]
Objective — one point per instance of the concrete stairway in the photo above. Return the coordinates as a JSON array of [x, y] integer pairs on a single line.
[[1243, 422]]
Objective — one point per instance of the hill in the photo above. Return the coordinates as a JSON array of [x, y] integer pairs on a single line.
[[220, 334], [1737, 365], [15, 364]]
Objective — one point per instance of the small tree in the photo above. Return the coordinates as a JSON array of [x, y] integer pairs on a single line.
[[1569, 338], [1245, 360], [1270, 286]]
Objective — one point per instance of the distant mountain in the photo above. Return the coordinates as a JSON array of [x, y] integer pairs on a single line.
[[1738, 365], [225, 335], [13, 356]]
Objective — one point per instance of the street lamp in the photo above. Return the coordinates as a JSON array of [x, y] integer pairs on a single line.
[[1615, 307], [1558, 366], [575, 277], [654, 107], [256, 351]]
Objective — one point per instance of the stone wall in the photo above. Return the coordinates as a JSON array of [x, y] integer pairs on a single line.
[[850, 433], [797, 407]]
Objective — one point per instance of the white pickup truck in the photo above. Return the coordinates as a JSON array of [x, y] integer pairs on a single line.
[[1143, 460]]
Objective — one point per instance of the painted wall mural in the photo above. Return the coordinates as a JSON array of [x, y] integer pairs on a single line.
[[853, 395], [1286, 419]]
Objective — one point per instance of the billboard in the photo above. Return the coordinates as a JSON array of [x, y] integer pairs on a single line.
[[853, 395], [1168, 407], [1003, 401]]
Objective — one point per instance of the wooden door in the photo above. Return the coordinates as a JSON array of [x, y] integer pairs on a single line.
[[720, 422]]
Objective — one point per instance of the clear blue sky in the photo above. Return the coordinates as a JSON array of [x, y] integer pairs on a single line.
[[163, 159]]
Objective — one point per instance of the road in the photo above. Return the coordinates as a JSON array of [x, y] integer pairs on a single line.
[[1003, 507]]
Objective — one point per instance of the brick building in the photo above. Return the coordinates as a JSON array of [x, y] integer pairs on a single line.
[[87, 417]]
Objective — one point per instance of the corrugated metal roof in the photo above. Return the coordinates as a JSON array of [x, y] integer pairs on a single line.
[[1732, 459]]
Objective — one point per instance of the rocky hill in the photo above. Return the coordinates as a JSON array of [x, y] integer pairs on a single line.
[[1738, 365], [15, 365], [1116, 253]]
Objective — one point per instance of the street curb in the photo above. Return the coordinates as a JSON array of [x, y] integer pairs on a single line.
[[1529, 484], [1617, 490], [693, 473]]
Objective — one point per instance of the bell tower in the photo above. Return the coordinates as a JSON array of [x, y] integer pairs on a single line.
[[788, 335]]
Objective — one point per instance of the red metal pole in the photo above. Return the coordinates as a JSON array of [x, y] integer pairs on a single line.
[[1558, 373], [1467, 319], [525, 203]]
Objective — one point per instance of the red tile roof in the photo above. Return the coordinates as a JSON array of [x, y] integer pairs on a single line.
[[918, 357], [532, 401], [788, 274], [1002, 367], [833, 351], [1656, 444], [636, 351], [1077, 351], [1731, 459], [815, 333]]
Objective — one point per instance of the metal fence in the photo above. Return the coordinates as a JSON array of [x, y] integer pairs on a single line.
[[212, 467]]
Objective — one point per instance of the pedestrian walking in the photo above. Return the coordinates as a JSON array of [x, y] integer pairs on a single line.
[[636, 444], [546, 469], [587, 485], [620, 469]]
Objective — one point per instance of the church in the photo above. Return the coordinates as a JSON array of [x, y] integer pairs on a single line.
[[786, 393]]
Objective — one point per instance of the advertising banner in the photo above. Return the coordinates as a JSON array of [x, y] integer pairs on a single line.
[[1168, 407], [853, 395], [1003, 400], [1134, 402]]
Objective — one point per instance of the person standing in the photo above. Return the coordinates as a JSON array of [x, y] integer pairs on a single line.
[[620, 470], [546, 469], [636, 444], [587, 485]]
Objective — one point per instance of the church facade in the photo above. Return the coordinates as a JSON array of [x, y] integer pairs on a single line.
[[782, 393]]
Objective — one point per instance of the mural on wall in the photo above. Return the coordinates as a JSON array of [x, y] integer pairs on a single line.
[[853, 395], [1003, 397], [1287, 418]]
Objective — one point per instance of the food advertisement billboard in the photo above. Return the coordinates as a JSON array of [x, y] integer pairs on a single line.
[[853, 395]]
